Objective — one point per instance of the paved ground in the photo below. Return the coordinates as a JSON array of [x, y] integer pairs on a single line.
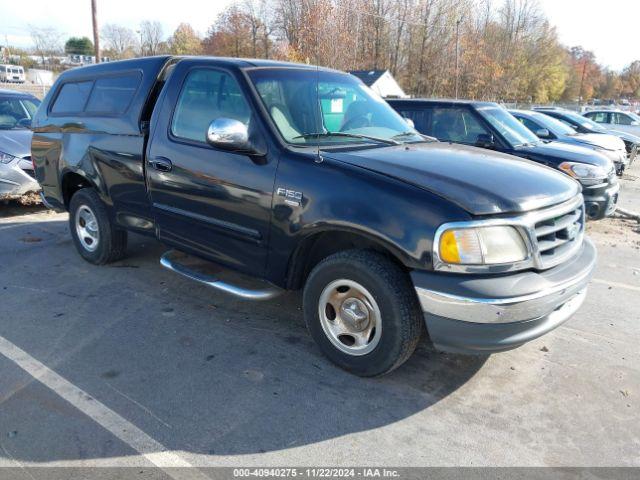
[[138, 366]]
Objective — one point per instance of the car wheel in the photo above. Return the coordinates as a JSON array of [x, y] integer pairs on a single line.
[[361, 309], [95, 236]]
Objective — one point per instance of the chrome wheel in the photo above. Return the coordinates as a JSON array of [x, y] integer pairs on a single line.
[[87, 228], [350, 317]]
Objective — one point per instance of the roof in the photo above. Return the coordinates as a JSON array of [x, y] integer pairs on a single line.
[[15, 93], [368, 77], [441, 101], [156, 62]]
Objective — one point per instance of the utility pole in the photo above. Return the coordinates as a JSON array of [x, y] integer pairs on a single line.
[[458, 22], [96, 37]]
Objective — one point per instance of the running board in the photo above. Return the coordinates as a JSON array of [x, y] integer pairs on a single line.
[[176, 261]]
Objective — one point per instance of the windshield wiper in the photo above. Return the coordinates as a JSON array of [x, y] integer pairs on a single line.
[[388, 141], [425, 138]]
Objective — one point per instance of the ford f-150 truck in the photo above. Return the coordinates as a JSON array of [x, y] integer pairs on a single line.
[[297, 177]]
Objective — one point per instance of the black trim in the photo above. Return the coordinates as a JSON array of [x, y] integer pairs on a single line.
[[254, 235]]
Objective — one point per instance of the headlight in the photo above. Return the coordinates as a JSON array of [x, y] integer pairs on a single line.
[[585, 173], [482, 246], [6, 158]]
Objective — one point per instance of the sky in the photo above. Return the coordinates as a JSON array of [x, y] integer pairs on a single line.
[[610, 28]]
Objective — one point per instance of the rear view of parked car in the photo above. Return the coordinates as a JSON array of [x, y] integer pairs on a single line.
[[489, 126], [547, 128], [16, 169]]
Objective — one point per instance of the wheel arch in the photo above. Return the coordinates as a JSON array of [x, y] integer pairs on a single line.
[[322, 242], [71, 181]]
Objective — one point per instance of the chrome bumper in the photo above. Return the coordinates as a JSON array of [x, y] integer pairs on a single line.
[[488, 314]]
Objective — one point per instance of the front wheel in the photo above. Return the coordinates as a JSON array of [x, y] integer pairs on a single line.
[[95, 236], [362, 311]]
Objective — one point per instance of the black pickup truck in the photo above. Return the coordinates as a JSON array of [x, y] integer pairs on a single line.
[[297, 177]]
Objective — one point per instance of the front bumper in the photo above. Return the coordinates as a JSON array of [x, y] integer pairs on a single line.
[[15, 182], [600, 200], [484, 314]]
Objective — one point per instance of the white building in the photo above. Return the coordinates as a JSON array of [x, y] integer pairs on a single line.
[[381, 82]]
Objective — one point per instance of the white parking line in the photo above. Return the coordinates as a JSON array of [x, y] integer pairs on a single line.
[[152, 450], [617, 284]]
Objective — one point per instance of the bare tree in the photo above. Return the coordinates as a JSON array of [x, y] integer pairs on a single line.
[[120, 41], [151, 38], [46, 41]]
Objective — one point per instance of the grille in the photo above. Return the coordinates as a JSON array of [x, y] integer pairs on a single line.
[[560, 235]]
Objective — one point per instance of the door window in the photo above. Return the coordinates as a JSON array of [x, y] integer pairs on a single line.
[[207, 95], [599, 117], [621, 119], [456, 124], [421, 119], [531, 125]]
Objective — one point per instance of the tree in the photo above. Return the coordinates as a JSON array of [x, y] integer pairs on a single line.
[[120, 42], [151, 38], [46, 41], [79, 46], [185, 41]]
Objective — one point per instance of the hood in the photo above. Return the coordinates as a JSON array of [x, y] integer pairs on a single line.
[[629, 137], [560, 152], [480, 181], [16, 142], [606, 142]]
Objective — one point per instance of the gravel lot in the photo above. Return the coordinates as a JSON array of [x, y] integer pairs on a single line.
[[137, 364]]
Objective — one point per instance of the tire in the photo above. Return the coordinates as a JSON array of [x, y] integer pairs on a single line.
[[368, 296], [95, 236]]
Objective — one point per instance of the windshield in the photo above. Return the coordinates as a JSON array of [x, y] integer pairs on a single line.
[[17, 112], [311, 107], [553, 124], [508, 126], [584, 122], [635, 117]]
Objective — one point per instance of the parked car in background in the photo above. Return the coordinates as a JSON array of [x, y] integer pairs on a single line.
[[616, 120], [12, 74], [301, 177], [548, 128], [585, 125], [488, 125], [16, 170]]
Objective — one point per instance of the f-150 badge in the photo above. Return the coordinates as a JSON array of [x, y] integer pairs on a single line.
[[291, 197]]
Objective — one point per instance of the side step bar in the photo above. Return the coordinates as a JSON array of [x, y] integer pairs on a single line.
[[171, 261]]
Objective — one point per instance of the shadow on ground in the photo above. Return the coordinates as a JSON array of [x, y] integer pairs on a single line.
[[197, 370]]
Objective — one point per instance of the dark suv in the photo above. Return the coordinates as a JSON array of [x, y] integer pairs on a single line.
[[299, 177], [488, 125]]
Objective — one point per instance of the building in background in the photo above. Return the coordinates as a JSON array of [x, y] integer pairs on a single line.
[[381, 82]]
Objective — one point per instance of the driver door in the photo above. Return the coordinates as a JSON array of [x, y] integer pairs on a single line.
[[207, 201]]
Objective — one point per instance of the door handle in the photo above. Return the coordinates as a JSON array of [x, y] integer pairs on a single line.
[[161, 164]]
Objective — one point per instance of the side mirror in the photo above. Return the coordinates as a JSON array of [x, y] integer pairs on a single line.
[[228, 134], [543, 133], [410, 122], [635, 123], [485, 140]]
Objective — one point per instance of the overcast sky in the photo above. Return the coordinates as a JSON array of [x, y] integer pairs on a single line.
[[610, 28]]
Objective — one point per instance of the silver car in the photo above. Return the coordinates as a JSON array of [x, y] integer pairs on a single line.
[[616, 120], [16, 170]]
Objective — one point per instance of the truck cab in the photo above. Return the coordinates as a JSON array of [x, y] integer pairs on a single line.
[[295, 177]]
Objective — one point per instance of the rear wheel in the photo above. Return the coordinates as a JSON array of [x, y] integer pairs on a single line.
[[362, 311], [95, 236]]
